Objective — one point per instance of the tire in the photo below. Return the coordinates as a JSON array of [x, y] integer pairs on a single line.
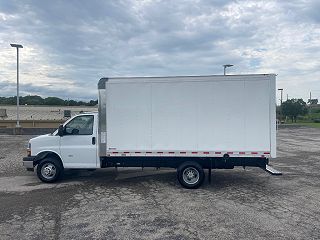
[[190, 175], [49, 170]]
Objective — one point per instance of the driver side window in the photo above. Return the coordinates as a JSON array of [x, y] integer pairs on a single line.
[[81, 125]]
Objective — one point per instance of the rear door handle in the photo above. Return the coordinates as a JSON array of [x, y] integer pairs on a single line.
[[93, 140]]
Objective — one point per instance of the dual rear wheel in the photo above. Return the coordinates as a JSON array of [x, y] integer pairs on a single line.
[[190, 174]]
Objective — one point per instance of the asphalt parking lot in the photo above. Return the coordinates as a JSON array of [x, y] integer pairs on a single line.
[[150, 204]]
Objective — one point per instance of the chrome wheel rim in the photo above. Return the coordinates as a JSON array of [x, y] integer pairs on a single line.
[[190, 175], [48, 171]]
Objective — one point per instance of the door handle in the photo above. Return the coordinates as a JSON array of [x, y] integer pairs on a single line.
[[93, 140]]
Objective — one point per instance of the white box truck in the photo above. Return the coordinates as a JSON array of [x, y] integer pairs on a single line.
[[189, 123]]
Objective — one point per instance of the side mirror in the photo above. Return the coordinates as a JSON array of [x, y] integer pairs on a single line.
[[60, 130]]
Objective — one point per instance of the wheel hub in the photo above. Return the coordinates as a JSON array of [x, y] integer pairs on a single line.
[[48, 171], [191, 175]]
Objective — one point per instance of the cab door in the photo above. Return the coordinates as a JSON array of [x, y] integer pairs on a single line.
[[78, 147]]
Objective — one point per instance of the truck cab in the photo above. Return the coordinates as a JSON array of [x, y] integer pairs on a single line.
[[72, 145]]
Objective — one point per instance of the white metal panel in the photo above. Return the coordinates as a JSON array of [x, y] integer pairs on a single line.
[[257, 115], [221, 117], [174, 117], [211, 113], [128, 116]]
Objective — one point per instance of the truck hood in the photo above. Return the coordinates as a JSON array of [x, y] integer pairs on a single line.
[[39, 138], [47, 142]]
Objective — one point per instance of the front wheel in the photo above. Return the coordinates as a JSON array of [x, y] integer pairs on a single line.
[[190, 175], [49, 170]]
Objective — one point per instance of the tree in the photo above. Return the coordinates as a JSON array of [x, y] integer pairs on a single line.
[[313, 101], [8, 100], [53, 101], [293, 108], [93, 103], [31, 100], [37, 100]]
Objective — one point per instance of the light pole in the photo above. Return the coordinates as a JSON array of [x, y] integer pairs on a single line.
[[280, 89], [17, 46], [225, 66]]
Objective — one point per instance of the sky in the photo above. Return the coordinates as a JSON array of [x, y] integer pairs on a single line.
[[69, 45]]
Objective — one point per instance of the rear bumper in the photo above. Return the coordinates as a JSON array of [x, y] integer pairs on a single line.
[[28, 163]]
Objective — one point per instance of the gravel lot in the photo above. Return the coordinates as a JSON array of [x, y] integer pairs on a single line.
[[131, 204]]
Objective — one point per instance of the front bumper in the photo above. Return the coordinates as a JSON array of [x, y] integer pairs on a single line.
[[28, 163]]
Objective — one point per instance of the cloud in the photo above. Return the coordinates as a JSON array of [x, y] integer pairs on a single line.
[[70, 45]]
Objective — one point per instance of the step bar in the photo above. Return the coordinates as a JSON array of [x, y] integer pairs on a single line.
[[271, 170]]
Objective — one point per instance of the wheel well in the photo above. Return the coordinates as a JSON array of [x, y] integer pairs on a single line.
[[191, 163], [44, 155]]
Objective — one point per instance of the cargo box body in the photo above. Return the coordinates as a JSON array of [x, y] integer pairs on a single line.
[[194, 116]]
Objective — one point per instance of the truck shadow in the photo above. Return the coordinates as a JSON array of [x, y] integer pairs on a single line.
[[220, 179]]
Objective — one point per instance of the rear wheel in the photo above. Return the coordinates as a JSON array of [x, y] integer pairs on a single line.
[[190, 175], [49, 170]]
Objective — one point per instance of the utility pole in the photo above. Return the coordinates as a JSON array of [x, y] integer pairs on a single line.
[[281, 90], [310, 98], [17, 46]]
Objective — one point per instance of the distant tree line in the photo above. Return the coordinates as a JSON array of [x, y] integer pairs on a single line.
[[37, 100], [297, 108]]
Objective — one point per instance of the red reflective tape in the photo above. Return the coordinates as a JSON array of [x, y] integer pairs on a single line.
[[171, 152], [137, 152], [266, 153], [126, 152], [217, 152], [229, 152], [254, 153], [115, 152], [148, 152], [159, 152], [183, 152], [205, 152], [194, 152], [242, 153]]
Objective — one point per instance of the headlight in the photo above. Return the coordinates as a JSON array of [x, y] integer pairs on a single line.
[[29, 150]]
